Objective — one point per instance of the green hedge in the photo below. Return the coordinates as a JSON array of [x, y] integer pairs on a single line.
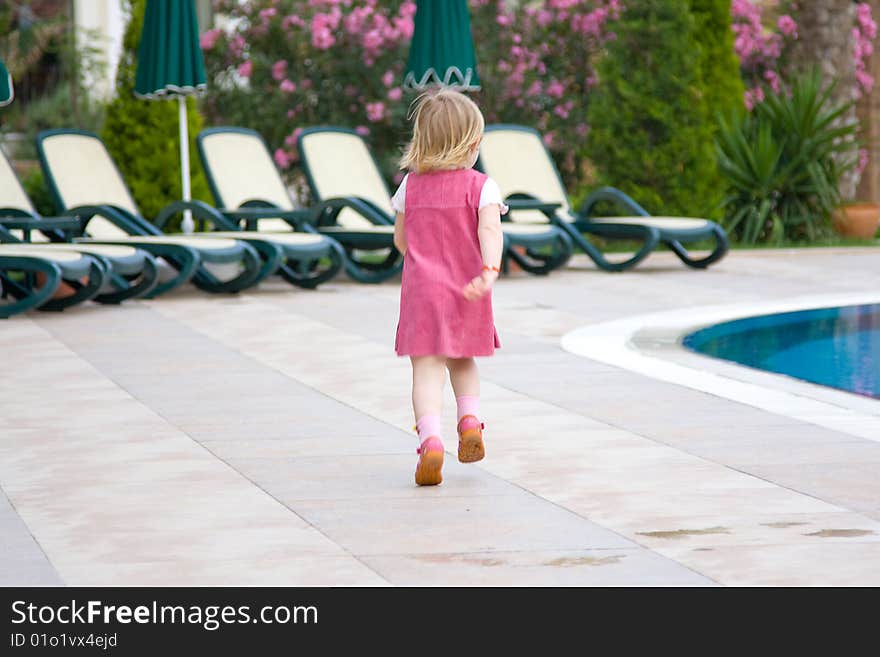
[[142, 136], [651, 132], [722, 84]]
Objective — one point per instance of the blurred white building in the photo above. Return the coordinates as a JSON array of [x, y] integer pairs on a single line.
[[104, 21]]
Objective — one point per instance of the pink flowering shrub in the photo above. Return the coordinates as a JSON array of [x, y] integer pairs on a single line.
[[536, 66], [287, 64], [762, 42], [864, 34]]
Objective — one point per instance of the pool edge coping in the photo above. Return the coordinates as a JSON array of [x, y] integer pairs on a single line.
[[650, 345]]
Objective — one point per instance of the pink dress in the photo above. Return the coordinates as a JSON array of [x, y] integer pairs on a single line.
[[442, 256]]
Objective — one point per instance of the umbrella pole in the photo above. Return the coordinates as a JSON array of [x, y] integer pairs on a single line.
[[188, 224]]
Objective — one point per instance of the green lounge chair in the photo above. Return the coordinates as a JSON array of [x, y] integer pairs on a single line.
[[302, 259], [348, 188], [20, 265], [85, 182], [515, 156], [246, 185], [249, 193], [133, 272]]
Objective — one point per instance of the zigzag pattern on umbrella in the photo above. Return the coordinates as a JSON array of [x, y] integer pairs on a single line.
[[431, 77], [171, 90]]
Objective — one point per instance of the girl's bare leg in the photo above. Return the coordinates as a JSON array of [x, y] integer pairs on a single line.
[[429, 376], [465, 376]]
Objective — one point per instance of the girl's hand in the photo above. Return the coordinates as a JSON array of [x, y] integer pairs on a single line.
[[480, 286]]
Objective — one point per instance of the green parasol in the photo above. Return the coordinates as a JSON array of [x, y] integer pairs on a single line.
[[170, 65], [442, 50], [7, 93]]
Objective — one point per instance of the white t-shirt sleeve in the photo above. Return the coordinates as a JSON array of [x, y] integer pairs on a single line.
[[491, 195], [398, 201]]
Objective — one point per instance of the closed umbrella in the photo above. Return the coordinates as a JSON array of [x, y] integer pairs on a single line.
[[7, 93], [170, 65], [442, 50]]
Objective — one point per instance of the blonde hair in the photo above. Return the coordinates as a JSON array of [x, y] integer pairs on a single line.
[[446, 124]]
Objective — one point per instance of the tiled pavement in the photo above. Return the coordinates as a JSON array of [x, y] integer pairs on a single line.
[[266, 439]]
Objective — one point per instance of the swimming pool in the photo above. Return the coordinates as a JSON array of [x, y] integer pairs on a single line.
[[834, 347]]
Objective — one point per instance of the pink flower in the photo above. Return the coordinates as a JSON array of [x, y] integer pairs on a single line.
[[291, 113], [246, 68], [375, 111], [555, 89], [323, 26], [753, 97], [290, 140], [287, 86], [236, 45], [773, 80], [282, 159], [405, 27], [787, 26], [534, 89], [504, 20], [866, 80], [323, 39], [279, 70], [291, 21], [562, 111], [266, 14], [372, 41], [395, 94], [362, 130], [549, 138], [863, 161], [408, 9], [388, 78], [866, 20], [356, 20], [208, 39]]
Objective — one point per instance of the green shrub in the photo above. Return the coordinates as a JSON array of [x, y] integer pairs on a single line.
[[36, 189], [782, 163], [719, 66], [651, 133], [142, 135]]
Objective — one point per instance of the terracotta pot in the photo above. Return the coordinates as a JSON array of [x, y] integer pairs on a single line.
[[859, 220]]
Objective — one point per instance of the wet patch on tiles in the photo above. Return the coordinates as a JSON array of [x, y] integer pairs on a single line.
[[841, 533], [462, 558], [568, 562], [684, 533]]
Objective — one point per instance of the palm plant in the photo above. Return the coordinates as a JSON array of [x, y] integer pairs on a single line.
[[784, 161]]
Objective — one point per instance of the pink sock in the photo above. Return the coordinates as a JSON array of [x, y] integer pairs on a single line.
[[468, 405], [427, 426]]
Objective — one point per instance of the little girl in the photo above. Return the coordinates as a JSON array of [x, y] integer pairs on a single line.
[[449, 229]]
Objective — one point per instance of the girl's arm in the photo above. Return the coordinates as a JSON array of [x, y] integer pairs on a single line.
[[491, 247], [399, 239]]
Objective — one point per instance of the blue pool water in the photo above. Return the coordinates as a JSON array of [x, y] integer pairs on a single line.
[[835, 347]]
